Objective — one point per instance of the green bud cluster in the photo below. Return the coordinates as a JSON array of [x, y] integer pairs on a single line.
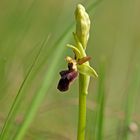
[[82, 25]]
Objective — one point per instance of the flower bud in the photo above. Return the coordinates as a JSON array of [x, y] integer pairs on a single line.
[[82, 25]]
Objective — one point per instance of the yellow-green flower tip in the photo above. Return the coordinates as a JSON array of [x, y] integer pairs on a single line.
[[82, 25]]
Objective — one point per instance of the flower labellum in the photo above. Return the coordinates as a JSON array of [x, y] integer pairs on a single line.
[[67, 76]]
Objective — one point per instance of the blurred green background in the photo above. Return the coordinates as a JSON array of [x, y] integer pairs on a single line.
[[114, 46]]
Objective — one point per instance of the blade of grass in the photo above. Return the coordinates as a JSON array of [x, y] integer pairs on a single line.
[[131, 96], [18, 98], [100, 105]]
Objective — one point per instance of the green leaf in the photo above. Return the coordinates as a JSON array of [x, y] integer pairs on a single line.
[[87, 70]]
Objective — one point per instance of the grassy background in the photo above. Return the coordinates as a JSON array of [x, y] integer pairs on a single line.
[[114, 44]]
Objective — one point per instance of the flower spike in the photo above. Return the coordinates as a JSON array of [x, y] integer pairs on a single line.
[[80, 63]]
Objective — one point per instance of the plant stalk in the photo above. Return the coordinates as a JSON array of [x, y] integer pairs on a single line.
[[83, 83]]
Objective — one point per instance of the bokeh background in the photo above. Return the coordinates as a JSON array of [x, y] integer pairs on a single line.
[[114, 46]]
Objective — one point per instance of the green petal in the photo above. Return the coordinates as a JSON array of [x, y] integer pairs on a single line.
[[87, 70], [76, 50]]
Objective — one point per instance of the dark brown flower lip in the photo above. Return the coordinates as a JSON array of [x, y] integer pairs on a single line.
[[67, 76], [63, 85]]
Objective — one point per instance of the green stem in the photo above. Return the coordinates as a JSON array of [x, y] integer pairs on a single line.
[[83, 85]]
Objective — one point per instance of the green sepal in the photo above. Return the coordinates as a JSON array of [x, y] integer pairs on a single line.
[[76, 50], [87, 70]]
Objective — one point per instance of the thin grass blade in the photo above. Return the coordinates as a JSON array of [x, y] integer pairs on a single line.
[[13, 111], [99, 121]]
